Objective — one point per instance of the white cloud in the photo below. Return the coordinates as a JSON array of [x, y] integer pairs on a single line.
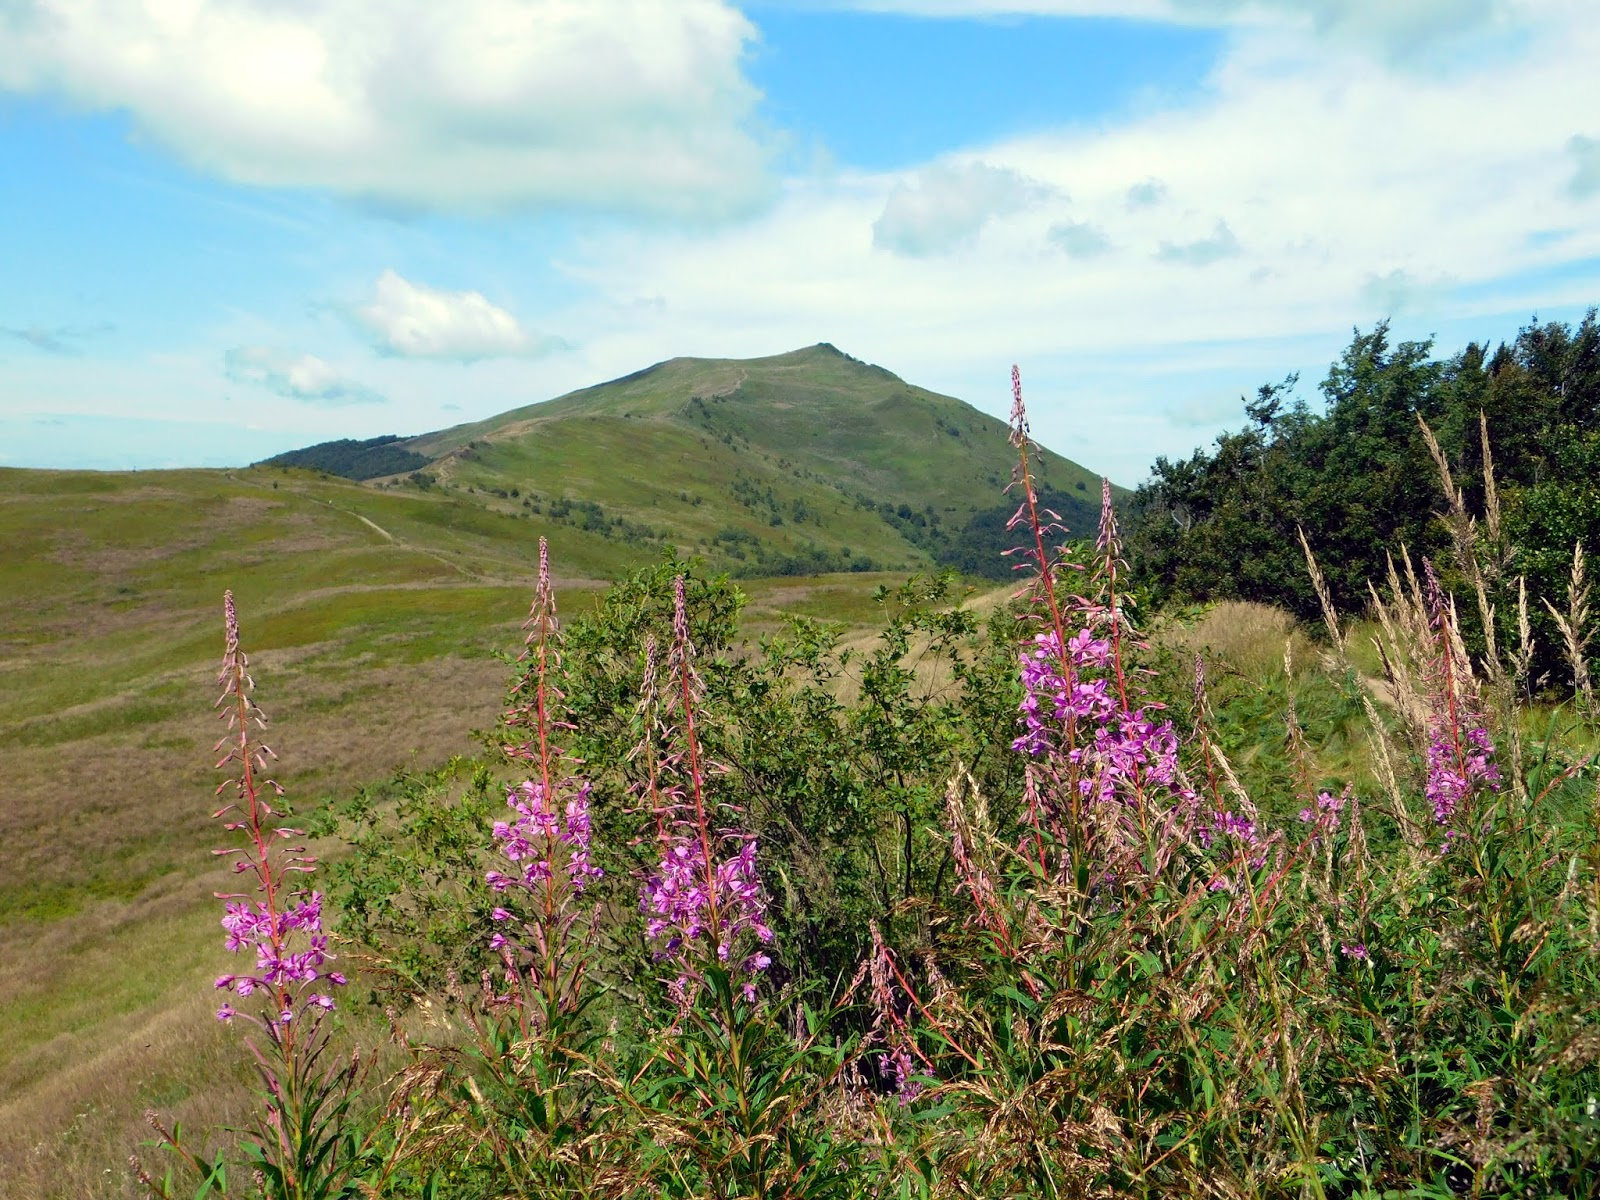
[[627, 105], [945, 207], [414, 320], [1079, 239], [1202, 252], [1345, 185], [303, 377]]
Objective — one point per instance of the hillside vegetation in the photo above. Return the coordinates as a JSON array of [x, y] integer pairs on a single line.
[[1032, 909], [379, 609], [801, 462], [820, 885], [1358, 475]]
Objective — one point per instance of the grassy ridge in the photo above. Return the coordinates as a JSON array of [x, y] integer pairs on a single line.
[[809, 447], [376, 615], [377, 612]]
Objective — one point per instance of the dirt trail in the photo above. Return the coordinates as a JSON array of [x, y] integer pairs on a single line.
[[371, 523]]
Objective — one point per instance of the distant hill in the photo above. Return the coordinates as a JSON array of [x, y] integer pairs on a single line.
[[352, 459], [797, 463]]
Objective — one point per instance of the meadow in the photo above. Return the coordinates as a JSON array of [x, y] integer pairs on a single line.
[[855, 885], [381, 621]]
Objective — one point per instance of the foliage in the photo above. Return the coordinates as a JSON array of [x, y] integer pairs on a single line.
[[351, 459], [977, 911], [1360, 479]]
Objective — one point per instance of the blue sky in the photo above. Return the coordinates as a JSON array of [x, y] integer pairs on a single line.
[[231, 229]]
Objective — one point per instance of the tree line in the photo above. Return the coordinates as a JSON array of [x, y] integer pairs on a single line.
[[1355, 472]]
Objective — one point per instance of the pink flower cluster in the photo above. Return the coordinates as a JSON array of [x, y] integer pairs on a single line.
[[688, 899], [1325, 816], [277, 970], [704, 897], [1224, 824], [269, 926], [541, 828], [1456, 770], [1050, 701], [536, 839], [1121, 751]]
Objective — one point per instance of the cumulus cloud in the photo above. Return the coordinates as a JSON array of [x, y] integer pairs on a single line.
[[1202, 252], [303, 377], [1147, 194], [1585, 152], [1079, 239], [414, 320], [625, 105], [945, 206]]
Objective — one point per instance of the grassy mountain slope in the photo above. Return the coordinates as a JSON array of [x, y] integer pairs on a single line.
[[374, 613], [810, 448]]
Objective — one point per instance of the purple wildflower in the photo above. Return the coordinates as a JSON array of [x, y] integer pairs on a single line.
[[547, 839], [1325, 815], [1355, 950], [283, 928], [897, 1065], [1460, 756], [704, 897], [1458, 767], [1118, 752], [689, 899], [542, 833]]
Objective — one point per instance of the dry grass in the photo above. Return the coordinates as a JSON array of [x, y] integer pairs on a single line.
[[932, 672], [1246, 636], [74, 1138], [107, 811], [110, 938]]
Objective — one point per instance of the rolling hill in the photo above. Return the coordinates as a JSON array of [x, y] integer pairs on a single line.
[[374, 609], [800, 462]]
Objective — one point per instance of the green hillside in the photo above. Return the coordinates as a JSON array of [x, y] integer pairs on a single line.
[[805, 461], [374, 612]]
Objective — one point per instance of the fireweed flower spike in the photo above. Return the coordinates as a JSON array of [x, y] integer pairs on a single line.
[[1108, 764], [704, 902], [547, 841], [305, 1142], [279, 927], [1460, 756]]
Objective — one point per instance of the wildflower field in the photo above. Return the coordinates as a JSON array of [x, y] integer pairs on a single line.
[[1034, 905]]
